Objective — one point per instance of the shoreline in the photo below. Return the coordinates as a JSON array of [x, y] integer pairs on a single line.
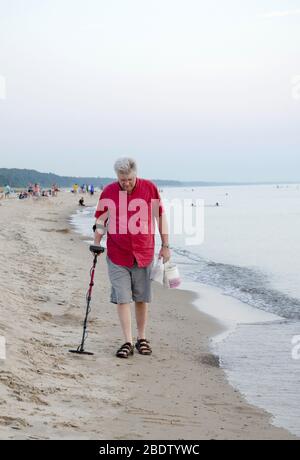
[[178, 393]]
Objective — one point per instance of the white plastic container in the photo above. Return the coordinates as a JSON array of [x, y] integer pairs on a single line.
[[171, 275]]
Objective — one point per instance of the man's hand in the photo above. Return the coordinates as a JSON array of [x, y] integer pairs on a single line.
[[96, 249], [165, 254]]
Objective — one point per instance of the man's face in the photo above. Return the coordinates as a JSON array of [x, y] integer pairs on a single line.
[[127, 181]]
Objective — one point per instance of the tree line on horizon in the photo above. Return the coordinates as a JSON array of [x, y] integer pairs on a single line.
[[20, 178]]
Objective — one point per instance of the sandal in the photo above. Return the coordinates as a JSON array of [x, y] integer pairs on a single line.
[[143, 347], [125, 350]]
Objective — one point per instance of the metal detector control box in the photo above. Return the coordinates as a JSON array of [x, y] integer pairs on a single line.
[[97, 249]]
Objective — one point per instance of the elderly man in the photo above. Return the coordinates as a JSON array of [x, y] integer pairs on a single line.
[[127, 211]]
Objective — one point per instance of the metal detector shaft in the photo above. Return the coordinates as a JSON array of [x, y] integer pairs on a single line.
[[96, 250]]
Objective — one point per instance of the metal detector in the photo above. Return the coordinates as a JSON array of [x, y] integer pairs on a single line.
[[96, 250]]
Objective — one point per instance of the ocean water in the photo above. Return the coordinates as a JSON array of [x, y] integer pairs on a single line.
[[250, 253]]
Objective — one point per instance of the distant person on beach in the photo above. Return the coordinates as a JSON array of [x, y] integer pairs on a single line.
[[23, 195], [7, 191], [92, 190], [53, 191], [130, 247], [30, 189], [36, 190], [81, 202]]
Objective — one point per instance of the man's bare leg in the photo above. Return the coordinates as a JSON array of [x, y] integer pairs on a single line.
[[125, 320], [141, 314]]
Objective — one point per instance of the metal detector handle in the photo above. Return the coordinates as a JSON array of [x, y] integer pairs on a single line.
[[97, 250]]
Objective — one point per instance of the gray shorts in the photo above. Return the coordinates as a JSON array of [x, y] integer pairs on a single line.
[[129, 284]]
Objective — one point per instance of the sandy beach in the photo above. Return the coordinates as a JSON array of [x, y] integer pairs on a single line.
[[179, 392]]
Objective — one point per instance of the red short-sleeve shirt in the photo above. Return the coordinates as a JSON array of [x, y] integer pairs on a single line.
[[131, 222]]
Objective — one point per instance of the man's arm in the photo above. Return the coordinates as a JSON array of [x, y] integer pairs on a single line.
[[165, 252], [100, 228]]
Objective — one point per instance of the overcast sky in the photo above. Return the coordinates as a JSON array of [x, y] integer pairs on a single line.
[[193, 89]]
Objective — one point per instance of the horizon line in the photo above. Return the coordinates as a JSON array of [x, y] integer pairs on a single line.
[[183, 181]]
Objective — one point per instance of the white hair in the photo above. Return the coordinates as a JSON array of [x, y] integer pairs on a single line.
[[125, 166]]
